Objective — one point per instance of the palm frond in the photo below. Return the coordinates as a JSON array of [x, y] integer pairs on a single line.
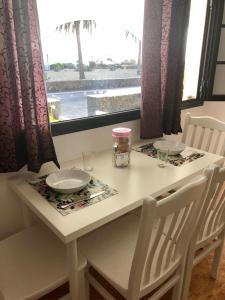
[[60, 27], [132, 35], [76, 25], [88, 25], [67, 27]]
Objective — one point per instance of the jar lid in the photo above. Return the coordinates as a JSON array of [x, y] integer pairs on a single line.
[[121, 132]]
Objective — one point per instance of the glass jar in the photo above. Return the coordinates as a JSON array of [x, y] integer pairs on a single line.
[[121, 147]]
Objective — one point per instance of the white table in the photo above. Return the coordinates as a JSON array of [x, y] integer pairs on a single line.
[[142, 178]]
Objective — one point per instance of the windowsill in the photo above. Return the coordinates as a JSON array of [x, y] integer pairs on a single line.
[[191, 103], [65, 127], [216, 98]]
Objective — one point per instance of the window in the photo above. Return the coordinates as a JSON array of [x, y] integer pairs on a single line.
[[92, 57], [216, 80], [194, 48], [203, 75]]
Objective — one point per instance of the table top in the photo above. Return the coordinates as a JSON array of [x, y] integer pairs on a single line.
[[142, 178]]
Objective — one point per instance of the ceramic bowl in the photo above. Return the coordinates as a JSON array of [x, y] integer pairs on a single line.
[[68, 181]]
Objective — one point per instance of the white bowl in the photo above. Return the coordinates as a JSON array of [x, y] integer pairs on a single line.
[[173, 147], [68, 181]]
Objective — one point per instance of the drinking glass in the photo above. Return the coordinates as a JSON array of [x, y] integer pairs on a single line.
[[162, 157], [88, 157]]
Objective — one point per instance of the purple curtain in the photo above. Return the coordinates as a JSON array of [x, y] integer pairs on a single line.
[[163, 58], [25, 136]]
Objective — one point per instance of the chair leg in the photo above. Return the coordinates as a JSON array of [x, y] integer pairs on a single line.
[[217, 259], [87, 289], [177, 289], [186, 282], [84, 285], [187, 275]]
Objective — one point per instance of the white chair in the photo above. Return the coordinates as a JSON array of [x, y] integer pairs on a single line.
[[33, 263], [139, 256], [210, 231], [205, 133]]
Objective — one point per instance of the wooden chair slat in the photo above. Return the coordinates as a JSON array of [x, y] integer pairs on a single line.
[[196, 131]]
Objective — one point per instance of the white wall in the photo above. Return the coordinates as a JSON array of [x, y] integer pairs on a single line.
[[10, 212], [70, 146], [215, 109]]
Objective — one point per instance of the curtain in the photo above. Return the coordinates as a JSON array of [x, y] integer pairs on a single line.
[[25, 136], [163, 58]]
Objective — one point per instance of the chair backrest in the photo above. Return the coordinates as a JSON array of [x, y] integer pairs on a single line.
[[165, 230], [212, 218], [205, 133]]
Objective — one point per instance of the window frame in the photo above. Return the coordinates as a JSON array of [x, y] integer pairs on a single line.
[[205, 83], [70, 126], [217, 25], [75, 125]]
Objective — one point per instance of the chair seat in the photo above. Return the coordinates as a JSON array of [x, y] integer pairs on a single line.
[[33, 262], [116, 241], [110, 250]]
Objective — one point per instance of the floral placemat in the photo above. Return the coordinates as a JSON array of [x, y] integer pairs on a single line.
[[65, 204], [177, 160]]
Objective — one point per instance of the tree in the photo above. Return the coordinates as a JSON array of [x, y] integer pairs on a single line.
[[74, 27], [136, 40]]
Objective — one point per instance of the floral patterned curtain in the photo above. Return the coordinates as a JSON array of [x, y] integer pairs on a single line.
[[163, 58], [25, 136]]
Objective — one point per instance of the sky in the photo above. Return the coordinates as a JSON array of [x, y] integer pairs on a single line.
[[108, 40]]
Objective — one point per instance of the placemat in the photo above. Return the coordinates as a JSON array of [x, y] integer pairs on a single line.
[[185, 157], [65, 204]]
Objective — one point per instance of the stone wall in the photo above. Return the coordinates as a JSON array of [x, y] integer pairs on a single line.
[[110, 104], [87, 84]]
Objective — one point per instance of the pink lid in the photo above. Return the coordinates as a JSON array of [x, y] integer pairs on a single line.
[[121, 132]]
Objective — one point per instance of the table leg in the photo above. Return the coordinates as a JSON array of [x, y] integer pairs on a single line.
[[73, 270], [27, 222]]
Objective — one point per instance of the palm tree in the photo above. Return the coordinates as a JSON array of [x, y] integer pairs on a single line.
[[136, 40], [74, 27]]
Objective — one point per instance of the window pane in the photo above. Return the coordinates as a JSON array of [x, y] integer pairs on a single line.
[[221, 54], [194, 48], [224, 16], [109, 33], [219, 87]]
